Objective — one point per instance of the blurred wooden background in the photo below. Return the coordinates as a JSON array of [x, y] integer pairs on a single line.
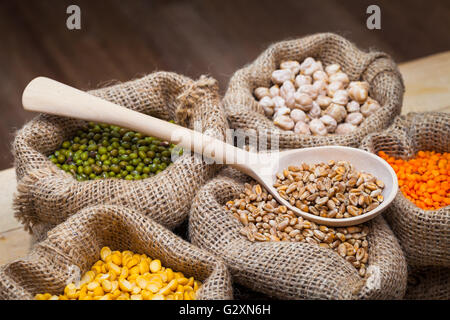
[[120, 40]]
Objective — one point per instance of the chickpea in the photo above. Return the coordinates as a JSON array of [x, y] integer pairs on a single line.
[[309, 90], [324, 101], [340, 97], [329, 122], [313, 68], [261, 92], [301, 80], [290, 101], [354, 118], [353, 106], [278, 102], [321, 87], [332, 69], [274, 91], [336, 111], [320, 75], [345, 128], [363, 84], [315, 110], [369, 107], [298, 115], [340, 77], [268, 111], [303, 101], [267, 104], [358, 92], [292, 65], [333, 87], [287, 89], [284, 122], [282, 112], [308, 62], [302, 128], [317, 127], [280, 76], [287, 92]]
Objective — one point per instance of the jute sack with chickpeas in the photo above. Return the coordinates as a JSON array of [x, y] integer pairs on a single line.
[[423, 234], [316, 90], [66, 264], [47, 195], [310, 261]]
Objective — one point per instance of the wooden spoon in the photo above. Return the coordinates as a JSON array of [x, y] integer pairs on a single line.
[[49, 96]]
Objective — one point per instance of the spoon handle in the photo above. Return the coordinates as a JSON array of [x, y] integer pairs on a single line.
[[49, 96]]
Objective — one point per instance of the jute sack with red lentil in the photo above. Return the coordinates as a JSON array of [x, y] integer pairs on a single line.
[[74, 246], [423, 234], [47, 195], [429, 283], [377, 68], [292, 270]]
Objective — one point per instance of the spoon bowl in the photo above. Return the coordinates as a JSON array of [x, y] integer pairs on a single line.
[[49, 96], [363, 161]]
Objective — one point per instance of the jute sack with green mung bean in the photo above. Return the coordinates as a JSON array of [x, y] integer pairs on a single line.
[[375, 69], [48, 195], [73, 246], [423, 234], [292, 269]]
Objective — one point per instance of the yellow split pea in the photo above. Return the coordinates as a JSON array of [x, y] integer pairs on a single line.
[[128, 276]]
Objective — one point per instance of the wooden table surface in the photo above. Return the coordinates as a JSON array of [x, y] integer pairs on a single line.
[[427, 83]]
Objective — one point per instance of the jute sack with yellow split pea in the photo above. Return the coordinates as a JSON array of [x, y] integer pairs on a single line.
[[292, 270], [423, 234], [74, 246], [47, 195]]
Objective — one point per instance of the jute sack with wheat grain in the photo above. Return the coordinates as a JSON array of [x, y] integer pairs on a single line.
[[292, 270]]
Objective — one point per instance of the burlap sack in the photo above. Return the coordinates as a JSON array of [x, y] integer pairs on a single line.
[[423, 235], [377, 68], [431, 283], [243, 293], [47, 195], [74, 246], [289, 270]]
